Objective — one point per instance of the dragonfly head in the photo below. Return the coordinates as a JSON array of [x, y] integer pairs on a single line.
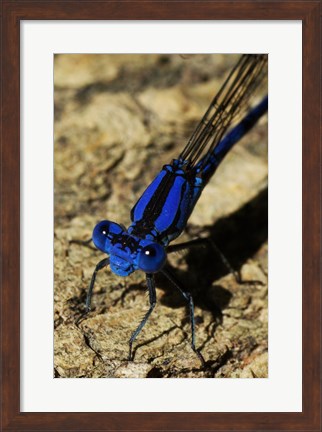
[[127, 252]]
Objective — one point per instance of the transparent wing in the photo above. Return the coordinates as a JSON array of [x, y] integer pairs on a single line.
[[227, 106]]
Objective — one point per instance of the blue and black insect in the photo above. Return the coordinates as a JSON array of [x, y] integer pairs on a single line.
[[162, 212]]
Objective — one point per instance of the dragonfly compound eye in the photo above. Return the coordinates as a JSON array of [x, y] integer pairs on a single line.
[[152, 258], [103, 233]]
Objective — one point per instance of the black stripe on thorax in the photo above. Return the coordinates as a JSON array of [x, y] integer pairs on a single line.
[[156, 203]]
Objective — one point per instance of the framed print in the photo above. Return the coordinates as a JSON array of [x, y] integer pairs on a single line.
[[147, 70]]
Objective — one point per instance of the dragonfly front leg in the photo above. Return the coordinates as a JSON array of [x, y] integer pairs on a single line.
[[188, 297], [152, 299], [105, 262]]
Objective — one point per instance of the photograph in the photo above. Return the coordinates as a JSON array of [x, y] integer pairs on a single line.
[[161, 215], [161, 199]]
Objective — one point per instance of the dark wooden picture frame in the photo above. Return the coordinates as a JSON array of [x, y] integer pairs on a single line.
[[309, 12]]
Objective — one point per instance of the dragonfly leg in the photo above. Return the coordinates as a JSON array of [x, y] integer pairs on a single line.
[[201, 242], [105, 262], [188, 297], [152, 299]]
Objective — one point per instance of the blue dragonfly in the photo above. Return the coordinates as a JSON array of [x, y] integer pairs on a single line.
[[162, 212]]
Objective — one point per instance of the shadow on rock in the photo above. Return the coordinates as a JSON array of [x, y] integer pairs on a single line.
[[238, 236]]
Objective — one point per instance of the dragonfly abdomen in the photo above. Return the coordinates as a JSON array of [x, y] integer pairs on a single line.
[[207, 166]]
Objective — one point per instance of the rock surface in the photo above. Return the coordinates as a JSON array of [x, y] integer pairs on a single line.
[[118, 119]]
